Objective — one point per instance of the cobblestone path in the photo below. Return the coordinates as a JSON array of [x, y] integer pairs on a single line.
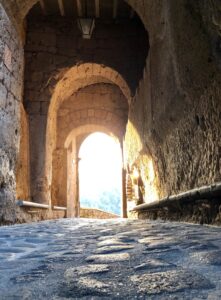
[[117, 259]]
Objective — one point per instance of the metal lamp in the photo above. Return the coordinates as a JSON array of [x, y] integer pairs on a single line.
[[86, 24]]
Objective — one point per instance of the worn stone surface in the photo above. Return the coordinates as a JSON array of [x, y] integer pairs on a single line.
[[11, 84], [173, 133], [86, 270], [108, 258], [170, 281], [60, 253], [113, 249]]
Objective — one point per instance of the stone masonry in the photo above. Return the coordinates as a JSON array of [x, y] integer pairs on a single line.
[[110, 259], [11, 91], [52, 48]]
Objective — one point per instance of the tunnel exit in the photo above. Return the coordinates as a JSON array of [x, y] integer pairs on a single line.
[[100, 173]]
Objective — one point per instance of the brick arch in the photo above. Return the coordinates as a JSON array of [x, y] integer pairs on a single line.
[[102, 104], [106, 117], [77, 78], [83, 75], [89, 129]]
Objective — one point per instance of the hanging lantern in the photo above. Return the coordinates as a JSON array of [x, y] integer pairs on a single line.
[[86, 25]]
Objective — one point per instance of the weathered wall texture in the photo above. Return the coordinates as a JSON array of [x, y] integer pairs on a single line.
[[175, 115], [11, 83]]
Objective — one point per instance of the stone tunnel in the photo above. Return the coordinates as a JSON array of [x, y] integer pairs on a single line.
[[147, 73]]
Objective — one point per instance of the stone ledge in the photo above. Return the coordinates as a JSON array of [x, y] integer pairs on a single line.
[[200, 205], [59, 208], [31, 204]]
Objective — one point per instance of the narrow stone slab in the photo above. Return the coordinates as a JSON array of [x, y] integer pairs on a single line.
[[37, 240], [132, 233], [38, 273], [86, 270], [170, 281], [11, 250], [146, 240], [106, 237], [161, 245], [110, 242], [92, 284], [152, 264], [112, 249], [24, 245], [212, 257], [85, 287], [158, 244], [108, 258]]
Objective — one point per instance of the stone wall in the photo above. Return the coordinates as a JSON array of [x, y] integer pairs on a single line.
[[206, 211], [11, 85], [53, 44], [175, 115], [93, 213]]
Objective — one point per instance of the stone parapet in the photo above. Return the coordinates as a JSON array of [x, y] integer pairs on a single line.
[[201, 205]]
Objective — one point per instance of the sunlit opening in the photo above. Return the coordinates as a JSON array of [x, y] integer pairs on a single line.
[[100, 173]]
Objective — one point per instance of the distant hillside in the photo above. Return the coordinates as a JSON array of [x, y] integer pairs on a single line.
[[108, 201]]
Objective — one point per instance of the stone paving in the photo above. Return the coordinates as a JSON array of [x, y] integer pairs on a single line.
[[111, 259]]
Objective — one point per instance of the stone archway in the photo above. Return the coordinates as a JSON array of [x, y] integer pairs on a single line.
[[99, 107], [72, 146], [75, 79]]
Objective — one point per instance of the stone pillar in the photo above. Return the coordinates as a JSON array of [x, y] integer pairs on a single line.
[[124, 194], [40, 189], [59, 178], [23, 160], [124, 188], [77, 196], [72, 181]]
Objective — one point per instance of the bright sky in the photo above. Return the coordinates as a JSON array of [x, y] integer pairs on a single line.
[[100, 165]]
